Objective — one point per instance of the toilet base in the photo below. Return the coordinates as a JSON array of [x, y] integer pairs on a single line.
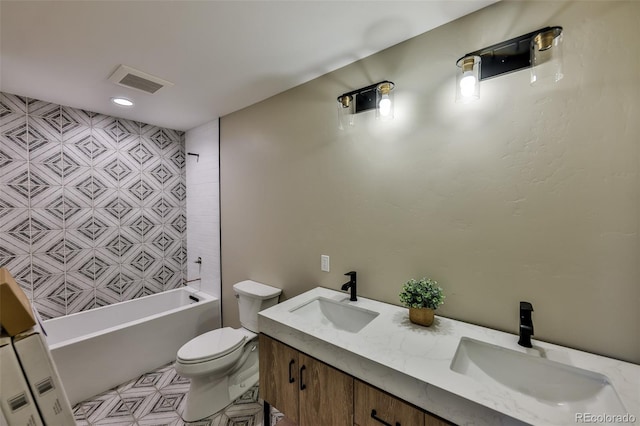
[[207, 396]]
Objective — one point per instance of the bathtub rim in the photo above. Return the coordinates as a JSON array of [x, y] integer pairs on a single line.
[[204, 298]]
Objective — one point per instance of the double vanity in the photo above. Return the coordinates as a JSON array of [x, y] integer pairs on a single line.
[[327, 360]]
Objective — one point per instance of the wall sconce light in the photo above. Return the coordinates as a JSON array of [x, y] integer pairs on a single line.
[[384, 100], [540, 50], [378, 96], [468, 79], [546, 56], [346, 111]]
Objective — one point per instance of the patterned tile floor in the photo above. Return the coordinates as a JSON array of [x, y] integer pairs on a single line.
[[158, 398]]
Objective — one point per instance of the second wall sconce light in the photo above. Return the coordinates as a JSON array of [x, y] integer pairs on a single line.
[[378, 96], [540, 50]]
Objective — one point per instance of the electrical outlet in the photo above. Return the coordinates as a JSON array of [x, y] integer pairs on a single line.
[[324, 263]]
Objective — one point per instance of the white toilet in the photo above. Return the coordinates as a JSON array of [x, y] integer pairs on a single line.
[[223, 364]]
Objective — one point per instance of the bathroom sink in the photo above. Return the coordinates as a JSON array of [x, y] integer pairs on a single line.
[[334, 314], [552, 383]]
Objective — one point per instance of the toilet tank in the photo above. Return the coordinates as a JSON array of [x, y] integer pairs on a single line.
[[252, 298]]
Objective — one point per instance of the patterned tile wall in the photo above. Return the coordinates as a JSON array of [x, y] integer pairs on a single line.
[[92, 207]]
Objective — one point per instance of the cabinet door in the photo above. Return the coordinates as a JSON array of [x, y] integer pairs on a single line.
[[376, 408], [326, 394], [431, 420], [279, 376]]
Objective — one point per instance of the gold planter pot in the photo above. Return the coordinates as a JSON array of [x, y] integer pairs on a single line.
[[422, 316]]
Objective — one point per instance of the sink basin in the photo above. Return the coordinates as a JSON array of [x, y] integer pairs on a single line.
[[334, 314], [552, 383]]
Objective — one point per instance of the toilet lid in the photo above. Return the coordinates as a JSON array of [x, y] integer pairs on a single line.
[[211, 345]]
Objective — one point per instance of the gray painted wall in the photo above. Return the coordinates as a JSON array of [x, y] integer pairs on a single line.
[[532, 193]]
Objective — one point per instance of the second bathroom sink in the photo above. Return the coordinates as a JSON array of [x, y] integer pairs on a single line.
[[552, 383]]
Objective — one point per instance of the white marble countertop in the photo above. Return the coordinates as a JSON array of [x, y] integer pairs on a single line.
[[412, 362]]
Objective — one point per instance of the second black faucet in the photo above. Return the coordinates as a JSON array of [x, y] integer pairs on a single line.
[[526, 324], [351, 285]]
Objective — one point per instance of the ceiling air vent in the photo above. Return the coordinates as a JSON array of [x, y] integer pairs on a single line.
[[134, 79]]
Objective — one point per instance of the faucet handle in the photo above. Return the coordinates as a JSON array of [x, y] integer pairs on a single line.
[[351, 274], [526, 306]]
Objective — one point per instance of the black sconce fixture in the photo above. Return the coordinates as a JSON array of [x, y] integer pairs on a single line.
[[540, 50], [378, 96]]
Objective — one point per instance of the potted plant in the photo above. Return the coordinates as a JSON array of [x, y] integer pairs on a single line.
[[422, 297]]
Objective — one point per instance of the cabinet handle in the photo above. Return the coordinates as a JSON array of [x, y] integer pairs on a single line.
[[374, 416], [291, 379], [302, 385]]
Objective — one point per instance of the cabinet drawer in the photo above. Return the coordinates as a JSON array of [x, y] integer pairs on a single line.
[[430, 420], [376, 408]]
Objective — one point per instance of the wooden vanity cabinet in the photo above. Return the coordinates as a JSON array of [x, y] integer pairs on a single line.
[[312, 393], [279, 376], [309, 392], [375, 408]]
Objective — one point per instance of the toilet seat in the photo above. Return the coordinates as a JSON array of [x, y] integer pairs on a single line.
[[211, 345]]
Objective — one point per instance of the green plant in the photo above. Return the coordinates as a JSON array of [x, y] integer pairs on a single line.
[[422, 293]]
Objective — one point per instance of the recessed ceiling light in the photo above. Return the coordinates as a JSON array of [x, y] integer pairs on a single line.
[[123, 102]]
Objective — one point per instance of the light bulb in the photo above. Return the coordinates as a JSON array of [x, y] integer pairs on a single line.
[[468, 84], [385, 105]]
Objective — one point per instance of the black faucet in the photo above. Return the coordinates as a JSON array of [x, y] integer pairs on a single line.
[[351, 285], [526, 324]]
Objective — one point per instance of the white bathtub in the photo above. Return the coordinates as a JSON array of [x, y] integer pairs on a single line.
[[98, 349]]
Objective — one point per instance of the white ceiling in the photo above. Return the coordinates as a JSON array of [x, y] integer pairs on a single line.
[[221, 55]]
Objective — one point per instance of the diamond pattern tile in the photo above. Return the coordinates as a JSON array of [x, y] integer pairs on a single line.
[[15, 136], [14, 244], [71, 165], [133, 290], [79, 194], [114, 130], [15, 220], [129, 236], [105, 297], [12, 103], [114, 287], [101, 175], [20, 267], [140, 153], [158, 398], [140, 191], [15, 172], [46, 174], [131, 273], [73, 118], [81, 301], [118, 170], [118, 208], [45, 151], [79, 259], [15, 195], [127, 127], [80, 147], [5, 160], [49, 308], [177, 158], [77, 283], [106, 262], [13, 142], [40, 108], [50, 243], [177, 192], [45, 127]]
